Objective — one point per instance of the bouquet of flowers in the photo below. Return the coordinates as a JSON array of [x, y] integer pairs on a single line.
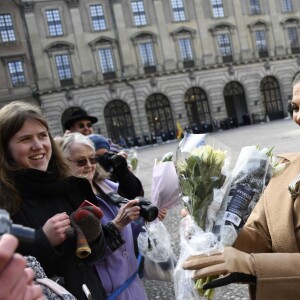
[[203, 177]]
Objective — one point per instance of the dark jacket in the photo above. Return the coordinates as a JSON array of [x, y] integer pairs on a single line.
[[43, 196]]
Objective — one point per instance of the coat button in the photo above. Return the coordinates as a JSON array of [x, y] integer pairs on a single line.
[[81, 266], [125, 254]]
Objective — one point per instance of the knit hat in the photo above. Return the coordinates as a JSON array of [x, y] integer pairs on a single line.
[[77, 115], [100, 142]]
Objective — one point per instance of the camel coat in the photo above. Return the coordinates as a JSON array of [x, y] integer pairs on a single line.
[[274, 227]]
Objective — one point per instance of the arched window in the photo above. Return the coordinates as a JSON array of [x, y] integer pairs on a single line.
[[235, 102], [271, 97], [118, 120], [197, 107], [159, 114]]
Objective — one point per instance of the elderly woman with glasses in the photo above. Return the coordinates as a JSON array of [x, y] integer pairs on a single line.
[[118, 268]]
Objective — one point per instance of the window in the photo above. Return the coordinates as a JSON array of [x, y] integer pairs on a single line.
[[107, 63], [16, 73], [178, 10], [54, 22], [261, 43], [138, 11], [185, 47], [217, 8], [7, 33], [64, 69], [147, 57], [293, 39], [255, 7], [225, 47], [98, 19], [286, 6]]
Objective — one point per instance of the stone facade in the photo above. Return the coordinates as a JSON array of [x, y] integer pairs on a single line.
[[141, 67], [15, 53]]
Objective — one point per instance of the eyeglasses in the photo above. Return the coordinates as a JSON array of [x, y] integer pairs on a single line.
[[82, 125], [83, 162]]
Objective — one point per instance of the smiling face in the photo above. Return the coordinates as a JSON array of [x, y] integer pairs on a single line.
[[78, 154], [83, 126], [296, 103], [31, 147]]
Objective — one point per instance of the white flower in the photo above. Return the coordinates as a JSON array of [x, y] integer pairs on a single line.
[[278, 169]]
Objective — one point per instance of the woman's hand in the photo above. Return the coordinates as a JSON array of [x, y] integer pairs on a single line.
[[56, 227], [162, 213], [127, 213], [235, 265]]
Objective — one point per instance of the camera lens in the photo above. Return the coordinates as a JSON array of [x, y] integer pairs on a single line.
[[148, 211]]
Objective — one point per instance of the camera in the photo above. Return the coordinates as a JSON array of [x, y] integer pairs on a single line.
[[107, 160], [148, 211], [24, 234]]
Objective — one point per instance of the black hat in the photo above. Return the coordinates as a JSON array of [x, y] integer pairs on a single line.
[[77, 115]]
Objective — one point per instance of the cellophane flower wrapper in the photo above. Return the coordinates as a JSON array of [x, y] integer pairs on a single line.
[[203, 174], [154, 244], [251, 174], [165, 191], [155, 241]]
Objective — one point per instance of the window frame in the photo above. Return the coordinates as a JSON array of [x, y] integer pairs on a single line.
[[147, 45], [294, 49], [225, 58], [47, 22], [218, 7], [253, 8], [187, 63], [100, 18], [178, 10], [109, 73], [139, 15], [9, 40], [66, 81], [285, 5], [261, 53], [16, 60]]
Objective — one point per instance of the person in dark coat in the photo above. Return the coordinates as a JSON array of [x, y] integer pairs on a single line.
[[37, 191], [129, 185]]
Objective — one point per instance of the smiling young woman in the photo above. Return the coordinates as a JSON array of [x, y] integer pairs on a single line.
[[38, 191]]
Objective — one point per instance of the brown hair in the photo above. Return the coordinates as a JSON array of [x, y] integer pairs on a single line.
[[12, 118]]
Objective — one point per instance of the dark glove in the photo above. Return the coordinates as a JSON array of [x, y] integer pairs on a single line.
[[86, 226], [120, 166], [237, 266]]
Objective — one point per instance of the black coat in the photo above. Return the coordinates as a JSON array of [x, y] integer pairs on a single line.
[[42, 197]]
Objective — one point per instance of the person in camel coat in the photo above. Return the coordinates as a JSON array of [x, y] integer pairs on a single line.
[[266, 253]]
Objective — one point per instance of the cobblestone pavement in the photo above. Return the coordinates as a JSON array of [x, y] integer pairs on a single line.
[[283, 134]]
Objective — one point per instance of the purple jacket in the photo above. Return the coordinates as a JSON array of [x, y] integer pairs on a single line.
[[116, 267]]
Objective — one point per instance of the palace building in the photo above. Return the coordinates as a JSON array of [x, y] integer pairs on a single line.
[[143, 66]]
